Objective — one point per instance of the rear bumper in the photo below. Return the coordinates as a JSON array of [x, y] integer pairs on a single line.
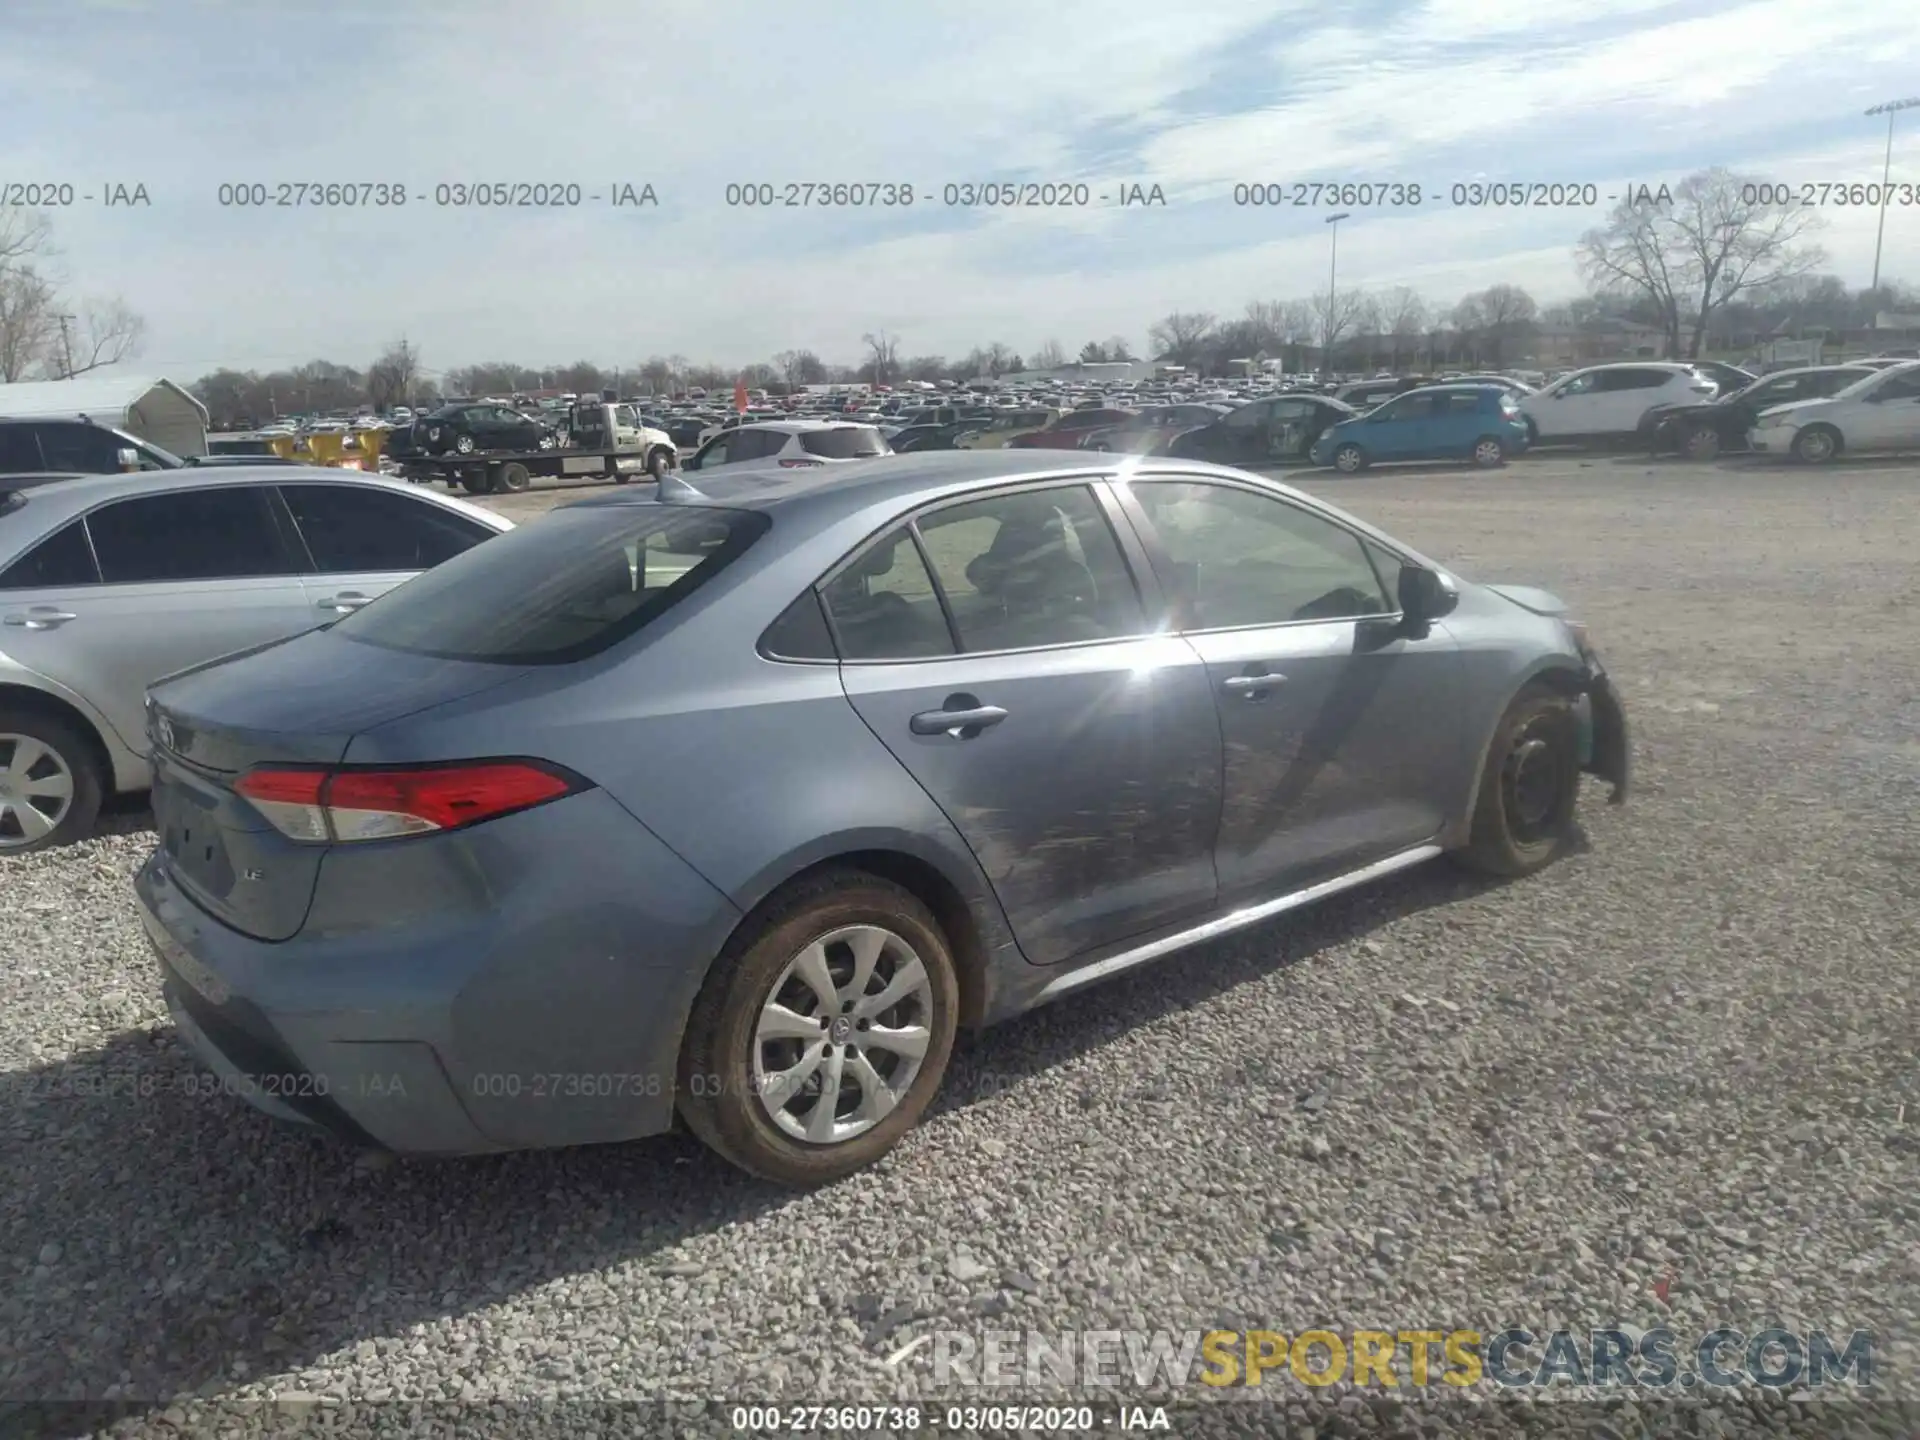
[[460, 996]]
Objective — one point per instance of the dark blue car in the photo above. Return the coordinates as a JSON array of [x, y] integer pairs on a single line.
[[1477, 423]]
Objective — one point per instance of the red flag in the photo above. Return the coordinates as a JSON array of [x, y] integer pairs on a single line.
[[740, 396]]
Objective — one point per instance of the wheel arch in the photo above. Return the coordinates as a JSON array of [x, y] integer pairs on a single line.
[[970, 917], [1552, 671], [120, 768]]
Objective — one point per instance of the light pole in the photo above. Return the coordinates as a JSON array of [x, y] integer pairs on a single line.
[[1890, 109], [1333, 261]]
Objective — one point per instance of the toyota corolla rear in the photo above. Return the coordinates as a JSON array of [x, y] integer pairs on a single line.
[[369, 920]]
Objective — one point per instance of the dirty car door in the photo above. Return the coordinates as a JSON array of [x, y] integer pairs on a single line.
[[1077, 754]]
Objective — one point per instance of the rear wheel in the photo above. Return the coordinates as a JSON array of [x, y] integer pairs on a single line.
[[50, 783], [463, 444], [823, 1031], [1349, 459], [1816, 445], [1488, 452], [514, 476], [658, 463], [1529, 787], [475, 484], [1702, 443]]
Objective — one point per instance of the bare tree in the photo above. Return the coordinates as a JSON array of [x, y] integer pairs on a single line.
[[1404, 317], [883, 354], [1334, 317], [1691, 252], [1180, 337], [1050, 356], [390, 379], [104, 333], [28, 327], [1119, 348]]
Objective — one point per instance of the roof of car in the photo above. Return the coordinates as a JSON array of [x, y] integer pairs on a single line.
[[78, 493], [804, 427]]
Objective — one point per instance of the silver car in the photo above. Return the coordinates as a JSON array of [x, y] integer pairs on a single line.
[[108, 582]]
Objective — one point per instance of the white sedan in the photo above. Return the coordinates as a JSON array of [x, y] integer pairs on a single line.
[[1881, 412]]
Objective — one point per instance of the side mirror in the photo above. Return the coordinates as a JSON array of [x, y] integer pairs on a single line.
[[1424, 596], [127, 459]]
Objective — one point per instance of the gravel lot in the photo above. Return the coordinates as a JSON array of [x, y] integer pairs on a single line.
[[1685, 1055]]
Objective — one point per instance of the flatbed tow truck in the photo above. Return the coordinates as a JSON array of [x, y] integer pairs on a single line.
[[605, 441]]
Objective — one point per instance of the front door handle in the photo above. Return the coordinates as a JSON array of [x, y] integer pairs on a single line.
[[1251, 685], [960, 723], [40, 617], [345, 603]]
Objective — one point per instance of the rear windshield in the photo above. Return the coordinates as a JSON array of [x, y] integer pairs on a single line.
[[850, 442], [560, 589]]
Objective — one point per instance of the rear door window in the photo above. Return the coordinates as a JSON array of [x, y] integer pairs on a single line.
[[569, 587], [61, 560], [19, 450], [81, 447], [352, 528], [218, 534], [884, 607], [852, 442]]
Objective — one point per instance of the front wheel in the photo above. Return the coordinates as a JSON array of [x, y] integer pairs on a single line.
[[1488, 452], [658, 464], [1349, 459], [549, 441], [50, 784], [1816, 445], [1523, 815], [823, 1031]]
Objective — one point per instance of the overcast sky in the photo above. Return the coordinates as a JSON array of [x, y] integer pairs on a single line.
[[689, 95]]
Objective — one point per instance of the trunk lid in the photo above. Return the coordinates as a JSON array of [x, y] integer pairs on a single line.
[[295, 702]]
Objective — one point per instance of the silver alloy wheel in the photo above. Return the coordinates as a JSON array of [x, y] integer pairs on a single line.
[[1347, 459], [36, 790], [1703, 443], [1815, 445], [842, 1035], [1488, 452]]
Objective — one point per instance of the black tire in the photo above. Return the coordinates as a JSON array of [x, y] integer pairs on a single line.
[[659, 462], [1533, 433], [1350, 459], [1489, 452], [514, 476], [463, 444], [717, 1095], [1701, 443], [548, 441], [474, 484], [77, 754], [1816, 445], [1523, 815]]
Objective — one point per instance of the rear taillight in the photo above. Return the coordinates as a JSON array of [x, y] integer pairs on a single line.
[[326, 806]]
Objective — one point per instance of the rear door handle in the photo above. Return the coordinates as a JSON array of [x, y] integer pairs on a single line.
[[1252, 684], [961, 724], [40, 617], [345, 602]]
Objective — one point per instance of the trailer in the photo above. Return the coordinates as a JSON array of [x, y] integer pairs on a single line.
[[605, 442]]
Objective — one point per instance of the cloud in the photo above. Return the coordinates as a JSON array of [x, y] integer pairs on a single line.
[[690, 97]]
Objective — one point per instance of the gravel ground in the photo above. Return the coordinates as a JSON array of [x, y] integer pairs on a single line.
[[1681, 1061]]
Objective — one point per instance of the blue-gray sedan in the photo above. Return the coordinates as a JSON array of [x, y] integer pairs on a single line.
[[738, 801]]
